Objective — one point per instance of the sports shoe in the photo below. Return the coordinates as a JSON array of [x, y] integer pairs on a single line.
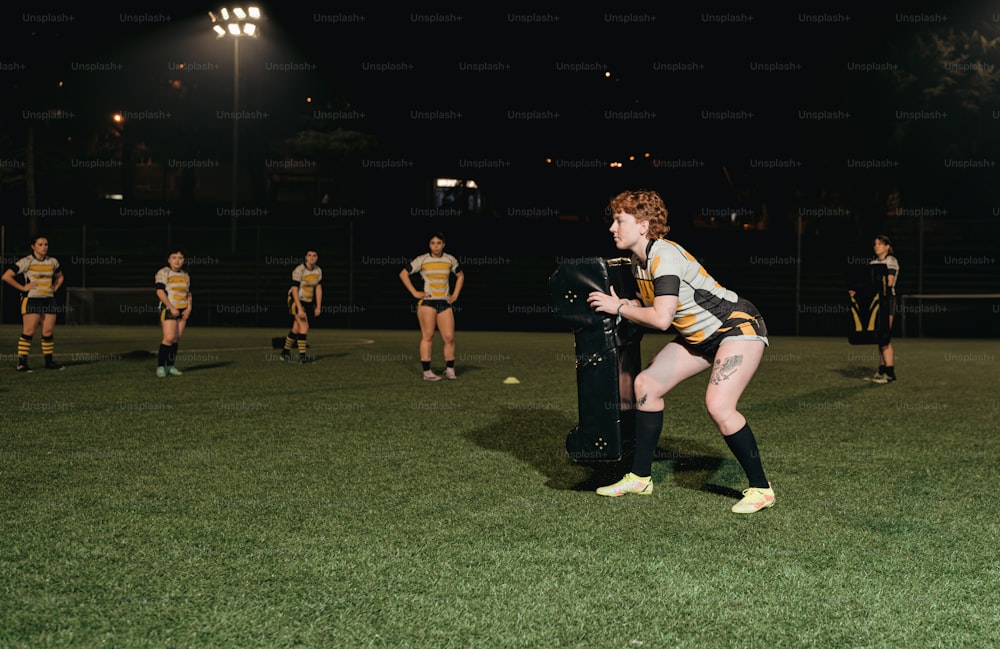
[[52, 365], [22, 366], [286, 355], [431, 376], [630, 484], [161, 372], [877, 377], [754, 499], [449, 374], [173, 371], [306, 359]]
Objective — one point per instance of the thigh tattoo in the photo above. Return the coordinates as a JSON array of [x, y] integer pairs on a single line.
[[723, 369]]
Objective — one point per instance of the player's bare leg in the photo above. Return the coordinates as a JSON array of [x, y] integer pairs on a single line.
[[446, 326], [427, 317]]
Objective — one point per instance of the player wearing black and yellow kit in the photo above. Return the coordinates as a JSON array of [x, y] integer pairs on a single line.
[[434, 305], [716, 329], [173, 288], [305, 303], [886, 372], [37, 277], [882, 246]]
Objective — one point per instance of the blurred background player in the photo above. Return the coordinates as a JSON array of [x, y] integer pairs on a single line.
[[173, 288], [37, 277], [305, 303], [884, 255], [434, 303]]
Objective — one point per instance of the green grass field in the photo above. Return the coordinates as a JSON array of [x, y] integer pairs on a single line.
[[347, 503]]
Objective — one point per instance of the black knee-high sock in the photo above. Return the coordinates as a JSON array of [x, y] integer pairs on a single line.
[[648, 426], [290, 340], [161, 357], [172, 354], [744, 446]]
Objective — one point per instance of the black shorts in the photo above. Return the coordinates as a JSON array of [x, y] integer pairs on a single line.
[[309, 308], [39, 305], [438, 305], [744, 322], [166, 315]]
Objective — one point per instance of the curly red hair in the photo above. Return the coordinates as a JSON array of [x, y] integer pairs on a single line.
[[644, 205]]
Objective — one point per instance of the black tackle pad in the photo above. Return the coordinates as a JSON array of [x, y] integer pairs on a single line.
[[869, 323], [607, 355]]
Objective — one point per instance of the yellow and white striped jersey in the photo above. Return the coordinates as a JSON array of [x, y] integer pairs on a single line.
[[41, 271], [306, 279], [436, 272], [703, 304], [176, 284]]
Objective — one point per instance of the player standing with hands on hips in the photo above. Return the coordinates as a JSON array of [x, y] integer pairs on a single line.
[[305, 302], [434, 305], [173, 288], [716, 329], [37, 277]]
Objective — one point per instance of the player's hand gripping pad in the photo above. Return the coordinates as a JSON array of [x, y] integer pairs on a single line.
[[607, 356]]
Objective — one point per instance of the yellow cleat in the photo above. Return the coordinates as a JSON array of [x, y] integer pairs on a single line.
[[754, 499], [630, 484]]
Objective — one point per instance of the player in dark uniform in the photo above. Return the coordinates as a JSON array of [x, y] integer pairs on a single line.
[[716, 329], [886, 372], [434, 303], [173, 288], [37, 277], [305, 303], [882, 247]]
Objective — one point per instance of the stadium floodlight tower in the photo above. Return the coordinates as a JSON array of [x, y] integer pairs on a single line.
[[236, 23]]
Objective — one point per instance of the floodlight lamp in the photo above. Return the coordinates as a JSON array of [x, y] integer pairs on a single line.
[[249, 29], [219, 30], [239, 13], [234, 29], [225, 13], [254, 12]]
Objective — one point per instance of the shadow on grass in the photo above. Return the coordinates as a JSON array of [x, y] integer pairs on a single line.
[[316, 358], [94, 359], [855, 372], [138, 355], [204, 366], [538, 438]]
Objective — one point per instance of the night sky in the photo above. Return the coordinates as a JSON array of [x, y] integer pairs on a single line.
[[811, 98]]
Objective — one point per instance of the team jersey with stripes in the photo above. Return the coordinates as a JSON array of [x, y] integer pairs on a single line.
[[41, 271], [306, 279], [703, 304], [176, 284], [436, 272]]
